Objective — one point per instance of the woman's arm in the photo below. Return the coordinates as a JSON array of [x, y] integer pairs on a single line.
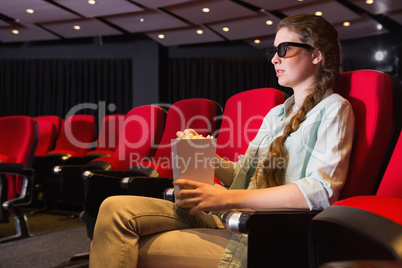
[[205, 197], [327, 168]]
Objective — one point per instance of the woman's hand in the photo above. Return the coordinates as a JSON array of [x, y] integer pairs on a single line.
[[202, 197]]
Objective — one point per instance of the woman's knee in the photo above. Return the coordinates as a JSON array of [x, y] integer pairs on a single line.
[[111, 204]]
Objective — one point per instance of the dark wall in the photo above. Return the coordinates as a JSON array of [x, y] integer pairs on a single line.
[[360, 53], [143, 52], [149, 59]]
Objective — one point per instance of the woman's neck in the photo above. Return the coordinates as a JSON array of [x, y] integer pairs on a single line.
[[300, 96]]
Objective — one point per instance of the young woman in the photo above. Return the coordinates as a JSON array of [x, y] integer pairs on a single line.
[[302, 151]]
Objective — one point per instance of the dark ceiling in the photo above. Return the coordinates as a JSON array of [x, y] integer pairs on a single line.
[[181, 22]]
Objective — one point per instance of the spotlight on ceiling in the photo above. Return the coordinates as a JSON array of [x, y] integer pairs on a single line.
[[380, 55]]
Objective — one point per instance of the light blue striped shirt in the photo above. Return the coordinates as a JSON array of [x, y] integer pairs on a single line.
[[317, 153]]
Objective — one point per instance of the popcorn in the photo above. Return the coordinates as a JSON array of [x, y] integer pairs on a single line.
[[191, 136]]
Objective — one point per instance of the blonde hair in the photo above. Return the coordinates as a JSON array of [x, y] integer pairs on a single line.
[[322, 36]]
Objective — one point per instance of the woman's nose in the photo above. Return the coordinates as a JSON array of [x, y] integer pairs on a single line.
[[275, 59]]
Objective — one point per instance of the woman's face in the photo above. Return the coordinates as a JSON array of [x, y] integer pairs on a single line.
[[298, 67]]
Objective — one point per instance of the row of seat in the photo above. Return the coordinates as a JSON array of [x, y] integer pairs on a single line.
[[57, 136], [143, 130], [141, 137], [375, 98], [22, 140], [243, 109]]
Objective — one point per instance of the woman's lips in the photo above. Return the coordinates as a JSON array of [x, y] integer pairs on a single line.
[[279, 72]]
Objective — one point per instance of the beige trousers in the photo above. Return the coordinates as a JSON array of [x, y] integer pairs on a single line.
[[123, 220]]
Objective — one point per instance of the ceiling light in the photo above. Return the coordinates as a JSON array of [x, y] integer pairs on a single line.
[[299, 0], [30, 11], [269, 22], [379, 27], [225, 29], [200, 32], [380, 55], [205, 10], [77, 27], [257, 41], [91, 2], [318, 13], [346, 24], [369, 2], [141, 19], [15, 31], [161, 36]]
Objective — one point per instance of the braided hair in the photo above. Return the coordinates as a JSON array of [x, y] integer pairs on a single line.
[[322, 36]]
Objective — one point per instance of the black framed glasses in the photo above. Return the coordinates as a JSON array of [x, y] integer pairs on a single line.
[[282, 49]]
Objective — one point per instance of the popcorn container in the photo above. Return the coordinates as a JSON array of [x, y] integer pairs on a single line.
[[193, 159]]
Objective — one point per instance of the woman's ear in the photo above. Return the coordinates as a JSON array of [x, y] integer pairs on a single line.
[[317, 56]]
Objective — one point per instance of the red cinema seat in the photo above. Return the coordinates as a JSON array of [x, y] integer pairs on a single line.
[[198, 114], [372, 96], [18, 139], [76, 137], [242, 117], [108, 137], [68, 173], [46, 138], [358, 226], [366, 227], [141, 133], [54, 119]]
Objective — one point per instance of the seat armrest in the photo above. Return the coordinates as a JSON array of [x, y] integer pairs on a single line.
[[363, 264], [11, 167], [68, 159], [59, 170], [244, 221], [349, 233], [140, 171], [280, 232], [25, 196], [168, 194], [146, 186]]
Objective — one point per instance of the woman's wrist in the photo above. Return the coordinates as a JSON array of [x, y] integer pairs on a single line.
[[231, 199]]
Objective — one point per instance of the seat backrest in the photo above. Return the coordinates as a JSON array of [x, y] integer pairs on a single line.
[[391, 183], [242, 117], [198, 114], [46, 137], [371, 96], [143, 128], [140, 134], [57, 121], [76, 135], [109, 134], [18, 139]]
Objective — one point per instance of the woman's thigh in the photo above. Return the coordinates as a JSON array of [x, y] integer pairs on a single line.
[[145, 215]]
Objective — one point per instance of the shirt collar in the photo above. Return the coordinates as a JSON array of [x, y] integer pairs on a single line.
[[291, 100], [287, 105]]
